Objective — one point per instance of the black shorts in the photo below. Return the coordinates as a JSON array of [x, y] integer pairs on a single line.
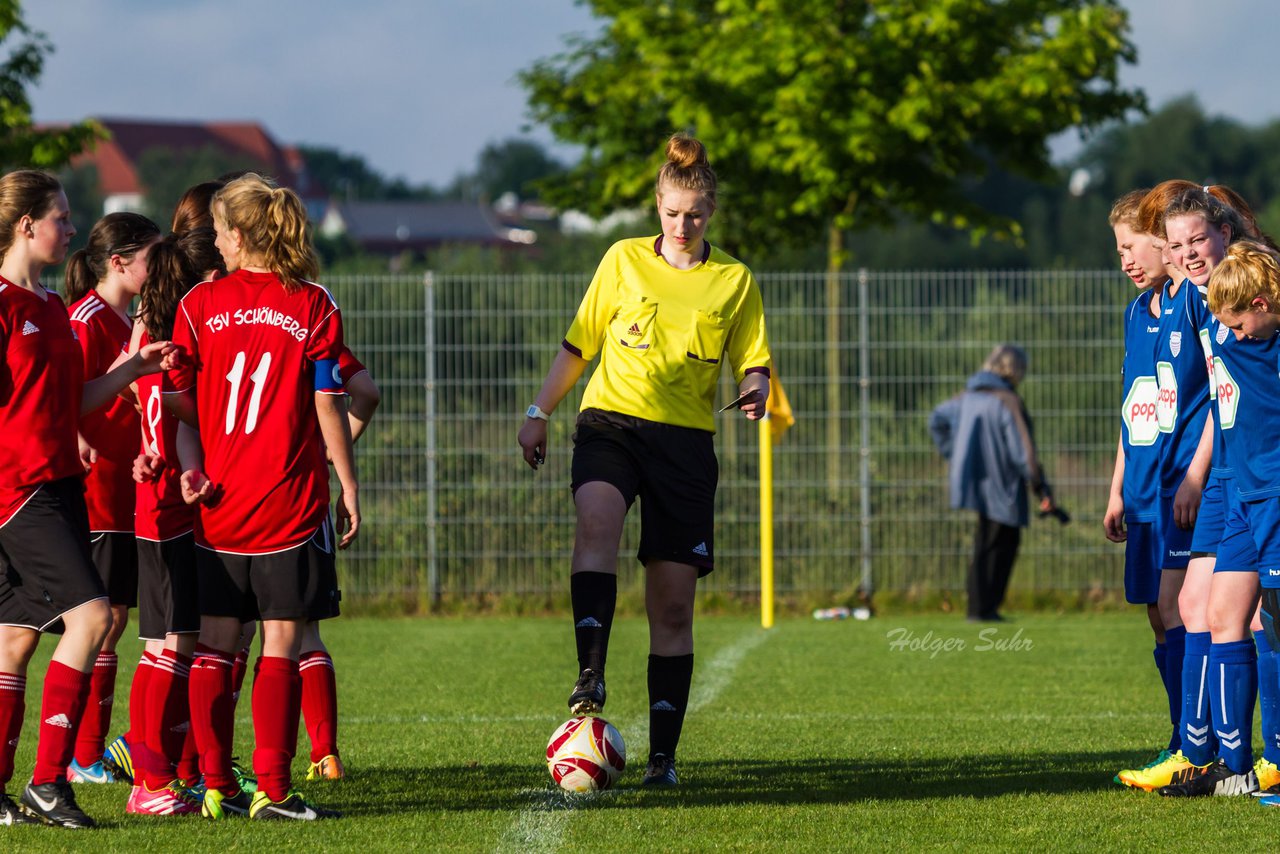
[[673, 470], [115, 554], [47, 566], [167, 600], [300, 583]]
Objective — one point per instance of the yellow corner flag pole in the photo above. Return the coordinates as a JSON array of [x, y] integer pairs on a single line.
[[777, 420], [766, 523]]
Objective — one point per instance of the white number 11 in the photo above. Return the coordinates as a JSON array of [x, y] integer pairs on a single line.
[[258, 378]]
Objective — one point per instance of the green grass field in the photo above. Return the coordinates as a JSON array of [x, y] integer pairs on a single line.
[[811, 736]]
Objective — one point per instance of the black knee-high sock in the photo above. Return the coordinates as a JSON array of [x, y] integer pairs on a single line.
[[594, 595], [669, 680]]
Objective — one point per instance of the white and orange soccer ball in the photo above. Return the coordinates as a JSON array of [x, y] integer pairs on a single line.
[[586, 754]]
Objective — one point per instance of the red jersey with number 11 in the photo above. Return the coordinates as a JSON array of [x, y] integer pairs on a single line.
[[250, 353]]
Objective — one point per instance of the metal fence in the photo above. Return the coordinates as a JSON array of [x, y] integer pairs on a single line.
[[452, 511]]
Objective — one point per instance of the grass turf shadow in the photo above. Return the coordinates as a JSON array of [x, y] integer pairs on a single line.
[[798, 781]]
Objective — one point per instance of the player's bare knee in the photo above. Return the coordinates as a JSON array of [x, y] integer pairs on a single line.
[[672, 617]]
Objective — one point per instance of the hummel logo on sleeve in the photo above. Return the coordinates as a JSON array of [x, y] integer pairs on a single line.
[[29, 327]]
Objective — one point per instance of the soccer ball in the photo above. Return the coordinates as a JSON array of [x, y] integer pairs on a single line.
[[586, 754]]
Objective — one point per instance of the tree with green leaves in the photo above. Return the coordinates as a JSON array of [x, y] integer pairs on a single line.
[[22, 145], [825, 116]]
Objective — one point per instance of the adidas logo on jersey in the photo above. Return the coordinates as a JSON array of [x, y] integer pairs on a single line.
[[29, 328], [662, 706], [182, 727], [59, 720], [700, 549], [588, 623], [634, 330], [107, 700]]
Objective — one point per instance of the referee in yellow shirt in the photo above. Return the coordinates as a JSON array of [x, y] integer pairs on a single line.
[[662, 314]]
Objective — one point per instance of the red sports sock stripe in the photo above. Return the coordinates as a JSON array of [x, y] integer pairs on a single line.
[[13, 705], [277, 700], [213, 717], [319, 703], [95, 721], [66, 692]]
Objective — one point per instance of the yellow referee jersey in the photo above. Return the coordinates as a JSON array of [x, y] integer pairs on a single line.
[[663, 333]]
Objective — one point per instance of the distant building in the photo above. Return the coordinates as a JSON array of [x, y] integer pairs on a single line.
[[394, 227], [116, 159]]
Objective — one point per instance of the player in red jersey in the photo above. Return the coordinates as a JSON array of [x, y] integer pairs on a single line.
[[319, 681], [101, 281], [168, 613], [50, 582], [261, 359]]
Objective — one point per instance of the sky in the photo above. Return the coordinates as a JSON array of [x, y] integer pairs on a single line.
[[419, 87]]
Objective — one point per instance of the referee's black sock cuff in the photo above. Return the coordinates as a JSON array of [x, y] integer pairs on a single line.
[[594, 596], [669, 679]]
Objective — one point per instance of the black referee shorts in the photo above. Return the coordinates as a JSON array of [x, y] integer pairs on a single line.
[[47, 566], [672, 470]]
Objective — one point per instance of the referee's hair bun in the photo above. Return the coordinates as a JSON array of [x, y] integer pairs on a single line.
[[685, 151]]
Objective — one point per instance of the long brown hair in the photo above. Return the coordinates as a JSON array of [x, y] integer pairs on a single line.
[[123, 234], [273, 225]]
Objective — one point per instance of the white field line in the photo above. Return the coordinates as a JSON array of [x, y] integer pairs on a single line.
[[541, 826]]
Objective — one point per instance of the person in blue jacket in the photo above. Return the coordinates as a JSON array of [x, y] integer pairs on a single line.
[[985, 433]]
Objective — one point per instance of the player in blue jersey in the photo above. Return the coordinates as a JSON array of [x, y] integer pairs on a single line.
[[1133, 510], [1219, 595], [1244, 295]]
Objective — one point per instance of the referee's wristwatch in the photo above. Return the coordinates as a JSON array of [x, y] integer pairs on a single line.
[[534, 411]]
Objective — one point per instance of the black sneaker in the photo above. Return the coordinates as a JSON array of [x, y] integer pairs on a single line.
[[292, 807], [55, 803], [661, 771], [11, 813], [588, 694], [1218, 780]]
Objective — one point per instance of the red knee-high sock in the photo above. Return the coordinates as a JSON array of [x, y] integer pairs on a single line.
[[13, 705], [277, 704], [319, 703], [238, 671], [138, 699], [168, 717], [144, 763], [213, 717], [66, 693], [189, 759], [95, 720]]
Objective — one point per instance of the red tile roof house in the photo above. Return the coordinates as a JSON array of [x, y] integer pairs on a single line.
[[116, 158]]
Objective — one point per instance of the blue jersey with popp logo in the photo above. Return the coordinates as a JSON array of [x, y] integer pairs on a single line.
[[1224, 392], [1249, 380], [1182, 374], [1140, 428]]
